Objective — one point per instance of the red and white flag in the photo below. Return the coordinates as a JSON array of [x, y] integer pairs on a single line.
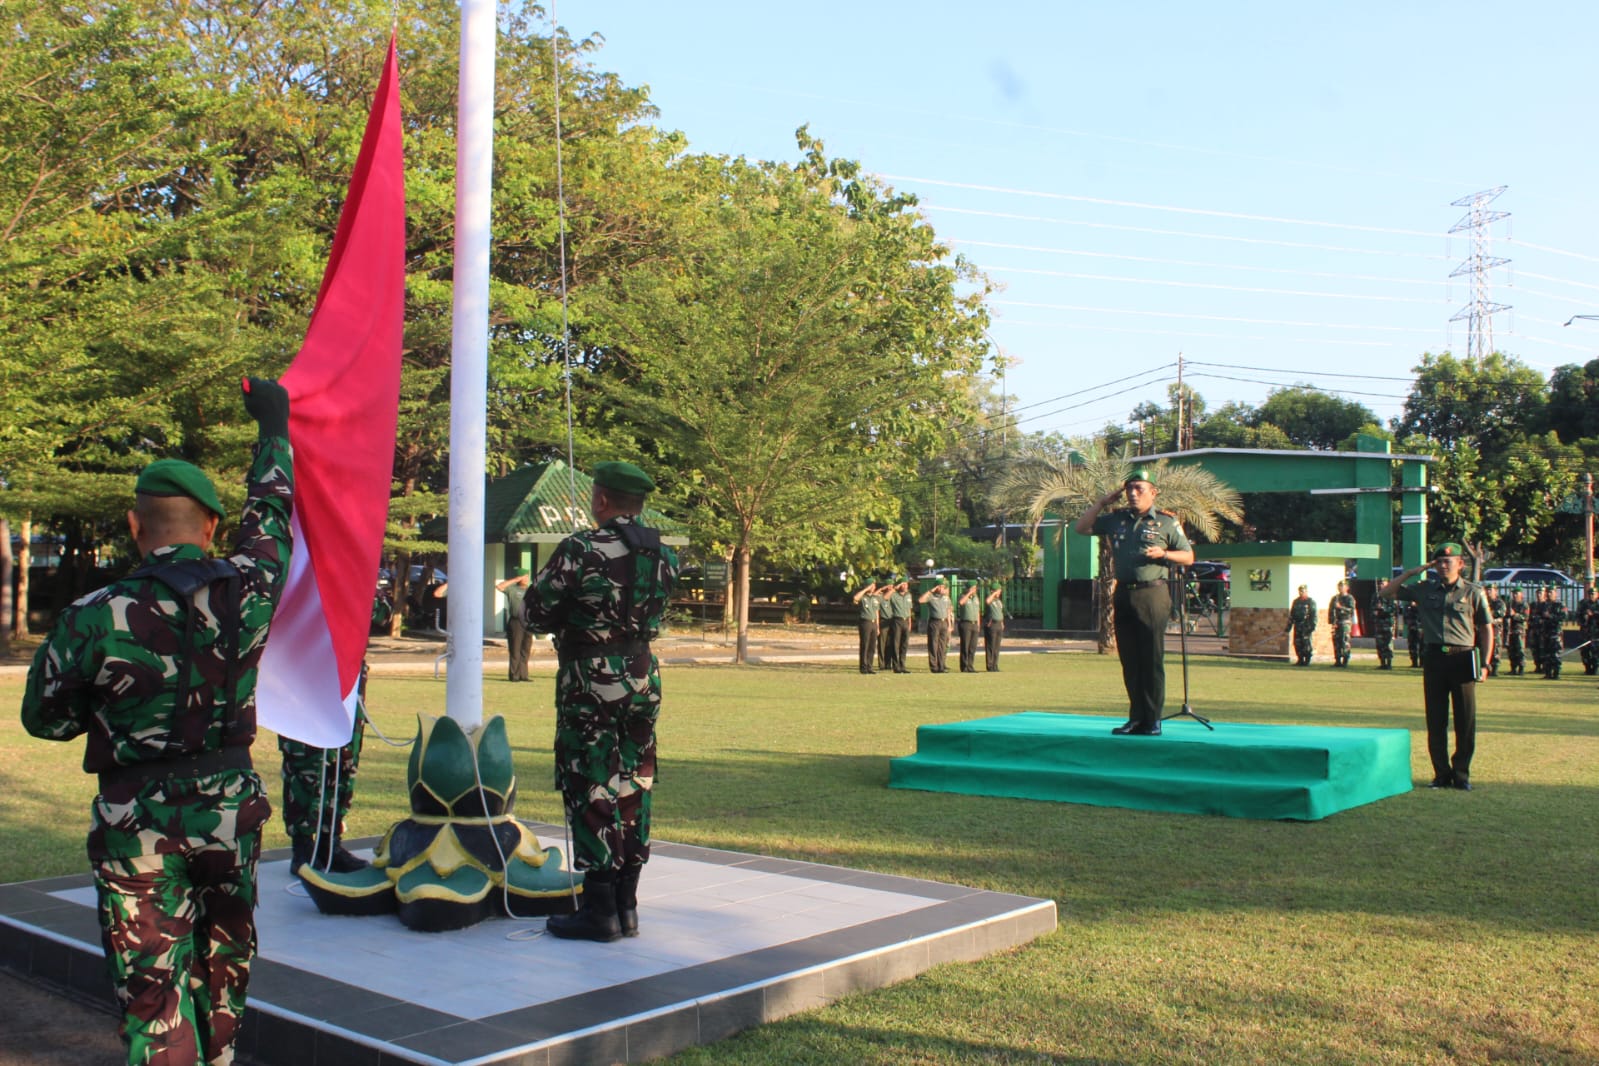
[[344, 393]]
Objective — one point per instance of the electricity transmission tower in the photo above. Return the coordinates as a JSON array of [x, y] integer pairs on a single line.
[[1480, 311]]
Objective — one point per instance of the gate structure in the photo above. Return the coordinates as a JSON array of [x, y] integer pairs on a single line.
[[1367, 473]]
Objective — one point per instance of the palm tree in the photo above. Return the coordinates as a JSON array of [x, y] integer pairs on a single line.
[[1042, 483]]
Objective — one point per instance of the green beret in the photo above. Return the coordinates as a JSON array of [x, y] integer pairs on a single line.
[[623, 477], [174, 477], [1141, 473], [520, 571], [1448, 550]]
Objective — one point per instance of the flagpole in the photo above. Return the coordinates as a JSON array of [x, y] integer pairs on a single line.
[[474, 157]]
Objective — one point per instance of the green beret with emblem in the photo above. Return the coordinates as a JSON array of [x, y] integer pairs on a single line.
[[174, 477], [1140, 473], [1448, 550], [623, 477]]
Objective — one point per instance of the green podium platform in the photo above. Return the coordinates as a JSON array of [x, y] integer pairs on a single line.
[[1240, 770]]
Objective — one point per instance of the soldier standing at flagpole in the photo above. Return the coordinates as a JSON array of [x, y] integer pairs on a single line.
[[603, 594]]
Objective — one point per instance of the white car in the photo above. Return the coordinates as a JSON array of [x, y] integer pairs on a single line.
[[1528, 575], [1531, 578]]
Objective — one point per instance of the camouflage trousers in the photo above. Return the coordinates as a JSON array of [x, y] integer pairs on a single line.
[[174, 870], [1493, 656], [1516, 650], [1343, 633], [605, 714], [1385, 647], [319, 779], [1304, 643]]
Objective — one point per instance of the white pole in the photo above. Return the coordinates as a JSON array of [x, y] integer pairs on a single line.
[[469, 359]]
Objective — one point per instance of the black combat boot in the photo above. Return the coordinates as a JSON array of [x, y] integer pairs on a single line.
[[596, 918], [333, 857], [300, 853], [627, 899], [330, 856]]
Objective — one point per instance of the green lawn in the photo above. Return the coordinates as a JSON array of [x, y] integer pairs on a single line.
[[1434, 927]]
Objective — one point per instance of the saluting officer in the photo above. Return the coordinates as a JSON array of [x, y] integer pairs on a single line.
[[1457, 629], [1144, 544], [603, 593], [871, 605], [159, 670]]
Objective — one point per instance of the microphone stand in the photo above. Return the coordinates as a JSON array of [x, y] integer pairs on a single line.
[[1179, 573]]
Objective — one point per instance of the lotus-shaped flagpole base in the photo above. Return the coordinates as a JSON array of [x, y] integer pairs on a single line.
[[461, 857]]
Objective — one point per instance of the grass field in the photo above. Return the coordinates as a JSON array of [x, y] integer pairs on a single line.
[[1434, 927]]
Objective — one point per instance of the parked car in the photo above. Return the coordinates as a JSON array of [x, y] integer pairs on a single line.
[[1528, 575], [1531, 577]]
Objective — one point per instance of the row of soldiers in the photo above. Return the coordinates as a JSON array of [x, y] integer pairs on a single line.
[[1520, 629], [886, 611]]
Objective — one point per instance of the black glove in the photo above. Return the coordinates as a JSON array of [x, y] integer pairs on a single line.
[[268, 404]]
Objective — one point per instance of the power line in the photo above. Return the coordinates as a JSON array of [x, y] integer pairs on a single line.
[[1303, 245], [1195, 263], [1206, 212], [1209, 285], [1209, 318], [1319, 373], [1340, 341]]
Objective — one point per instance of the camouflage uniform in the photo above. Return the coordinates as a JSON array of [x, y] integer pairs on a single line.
[[1499, 609], [1413, 633], [603, 593], [1554, 626], [1382, 631], [176, 828], [322, 779], [1341, 617], [1588, 627], [1302, 623], [1517, 617]]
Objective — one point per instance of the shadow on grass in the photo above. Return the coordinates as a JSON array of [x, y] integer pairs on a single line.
[[1510, 855]]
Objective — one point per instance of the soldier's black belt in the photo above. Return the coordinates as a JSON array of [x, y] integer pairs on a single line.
[[568, 652], [1450, 649], [182, 768], [1131, 585]]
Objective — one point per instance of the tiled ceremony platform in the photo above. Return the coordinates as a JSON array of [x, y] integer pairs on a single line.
[[728, 941]]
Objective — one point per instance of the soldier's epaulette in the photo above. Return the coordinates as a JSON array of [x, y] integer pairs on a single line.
[[1168, 514]]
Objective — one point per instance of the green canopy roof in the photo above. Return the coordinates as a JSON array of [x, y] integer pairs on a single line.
[[544, 503]]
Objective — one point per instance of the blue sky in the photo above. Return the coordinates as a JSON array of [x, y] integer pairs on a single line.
[[1263, 187]]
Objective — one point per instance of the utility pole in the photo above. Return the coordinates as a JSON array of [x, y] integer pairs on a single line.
[[1179, 442], [1586, 481]]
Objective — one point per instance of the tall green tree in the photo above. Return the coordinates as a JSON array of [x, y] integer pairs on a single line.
[[805, 336]]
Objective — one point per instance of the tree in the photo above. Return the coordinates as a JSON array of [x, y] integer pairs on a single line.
[[1311, 418], [1199, 499], [804, 334], [1491, 404]]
